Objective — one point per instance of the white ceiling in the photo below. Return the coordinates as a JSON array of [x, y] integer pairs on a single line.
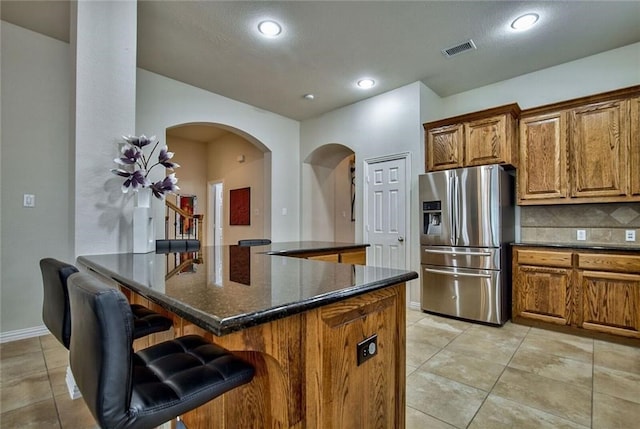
[[327, 46]]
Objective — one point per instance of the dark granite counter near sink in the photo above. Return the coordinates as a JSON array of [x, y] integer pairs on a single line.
[[228, 288]]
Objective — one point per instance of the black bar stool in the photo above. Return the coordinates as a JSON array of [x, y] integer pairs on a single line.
[[127, 390], [55, 306]]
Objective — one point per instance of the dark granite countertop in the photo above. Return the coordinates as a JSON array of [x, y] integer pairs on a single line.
[[228, 288], [580, 246]]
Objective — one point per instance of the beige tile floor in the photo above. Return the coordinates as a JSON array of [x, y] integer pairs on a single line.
[[464, 375], [459, 375]]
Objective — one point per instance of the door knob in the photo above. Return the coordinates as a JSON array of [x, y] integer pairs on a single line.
[[400, 238]]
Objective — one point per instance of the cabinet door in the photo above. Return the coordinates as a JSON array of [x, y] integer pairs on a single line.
[[486, 141], [444, 147], [634, 145], [599, 148], [610, 302], [342, 393], [543, 157], [543, 293]]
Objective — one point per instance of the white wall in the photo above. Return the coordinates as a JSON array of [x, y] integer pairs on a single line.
[[386, 124], [223, 165], [163, 102], [344, 228], [618, 68], [36, 149], [103, 49]]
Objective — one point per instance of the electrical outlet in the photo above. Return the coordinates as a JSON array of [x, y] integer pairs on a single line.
[[581, 234], [630, 235], [29, 200], [367, 349]]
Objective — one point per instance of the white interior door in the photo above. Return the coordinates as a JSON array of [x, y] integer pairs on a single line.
[[386, 188]]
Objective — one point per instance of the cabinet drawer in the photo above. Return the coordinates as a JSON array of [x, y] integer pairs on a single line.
[[609, 262], [544, 257]]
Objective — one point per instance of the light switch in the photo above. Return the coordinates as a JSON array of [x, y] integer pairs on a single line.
[[581, 234], [630, 235], [284, 211], [29, 200]]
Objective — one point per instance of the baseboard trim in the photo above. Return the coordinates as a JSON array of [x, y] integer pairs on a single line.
[[414, 305], [21, 334]]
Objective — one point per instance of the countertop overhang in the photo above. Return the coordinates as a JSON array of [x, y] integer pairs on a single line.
[[228, 288]]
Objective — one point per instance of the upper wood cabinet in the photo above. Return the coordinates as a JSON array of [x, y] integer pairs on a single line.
[[581, 151], [480, 138], [543, 156], [599, 148], [444, 147], [634, 145]]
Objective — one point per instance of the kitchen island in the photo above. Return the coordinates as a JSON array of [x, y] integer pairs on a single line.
[[298, 321]]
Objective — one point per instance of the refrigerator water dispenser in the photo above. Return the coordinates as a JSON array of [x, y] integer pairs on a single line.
[[432, 217]]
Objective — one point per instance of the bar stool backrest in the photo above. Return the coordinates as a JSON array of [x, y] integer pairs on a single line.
[[55, 305]]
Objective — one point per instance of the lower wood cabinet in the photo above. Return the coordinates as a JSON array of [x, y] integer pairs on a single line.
[[544, 293], [609, 286], [592, 290]]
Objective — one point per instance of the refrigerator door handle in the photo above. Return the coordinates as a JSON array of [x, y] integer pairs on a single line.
[[452, 210], [453, 252], [458, 205], [451, 273]]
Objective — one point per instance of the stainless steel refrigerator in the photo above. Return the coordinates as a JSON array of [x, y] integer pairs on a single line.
[[467, 225]]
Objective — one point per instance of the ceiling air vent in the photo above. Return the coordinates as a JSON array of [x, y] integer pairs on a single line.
[[458, 49]]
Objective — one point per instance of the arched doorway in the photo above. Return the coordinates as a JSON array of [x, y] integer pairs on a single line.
[[216, 159], [329, 172]]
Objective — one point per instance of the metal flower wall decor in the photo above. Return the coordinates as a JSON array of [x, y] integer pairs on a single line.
[[136, 166]]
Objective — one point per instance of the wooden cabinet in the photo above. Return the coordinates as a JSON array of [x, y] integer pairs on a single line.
[[609, 288], [599, 147], [542, 286], [634, 145], [341, 393], [593, 291], [444, 147], [581, 151], [543, 157], [480, 138]]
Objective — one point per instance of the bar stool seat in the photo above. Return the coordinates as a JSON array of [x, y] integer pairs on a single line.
[[55, 307], [127, 390]]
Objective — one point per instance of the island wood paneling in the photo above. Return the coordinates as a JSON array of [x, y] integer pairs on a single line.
[[341, 394], [306, 370]]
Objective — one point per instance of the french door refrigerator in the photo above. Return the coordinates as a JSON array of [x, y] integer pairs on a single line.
[[466, 226]]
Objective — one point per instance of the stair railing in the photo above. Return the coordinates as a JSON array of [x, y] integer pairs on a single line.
[[180, 224]]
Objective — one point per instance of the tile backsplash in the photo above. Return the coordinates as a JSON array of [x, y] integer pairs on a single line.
[[605, 224]]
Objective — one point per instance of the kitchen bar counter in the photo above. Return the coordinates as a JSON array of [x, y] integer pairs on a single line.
[[233, 287], [300, 322]]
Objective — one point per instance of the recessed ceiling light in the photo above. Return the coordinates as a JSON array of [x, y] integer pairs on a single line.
[[308, 96], [525, 22], [269, 28], [366, 83]]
